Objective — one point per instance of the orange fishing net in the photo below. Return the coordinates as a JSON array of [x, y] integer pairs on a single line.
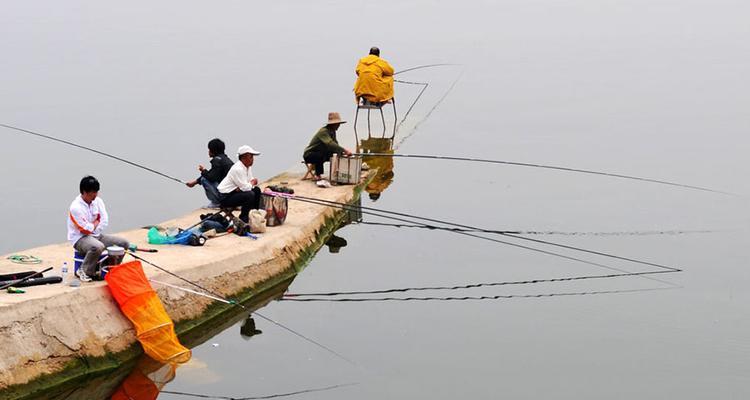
[[139, 302]]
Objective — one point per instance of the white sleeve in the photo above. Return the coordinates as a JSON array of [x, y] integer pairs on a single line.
[[104, 221]]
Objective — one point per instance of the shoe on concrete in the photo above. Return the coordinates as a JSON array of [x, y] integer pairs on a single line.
[[82, 276]]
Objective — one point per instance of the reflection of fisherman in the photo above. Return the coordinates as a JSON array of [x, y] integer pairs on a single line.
[[374, 79], [324, 144], [384, 164], [247, 330], [335, 243]]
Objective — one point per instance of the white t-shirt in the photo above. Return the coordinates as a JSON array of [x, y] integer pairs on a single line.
[[81, 218], [239, 177]]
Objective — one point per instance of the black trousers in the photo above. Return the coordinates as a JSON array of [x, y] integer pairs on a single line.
[[318, 158], [249, 200]]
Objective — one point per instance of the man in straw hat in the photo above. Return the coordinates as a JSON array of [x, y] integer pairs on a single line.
[[239, 187], [324, 144]]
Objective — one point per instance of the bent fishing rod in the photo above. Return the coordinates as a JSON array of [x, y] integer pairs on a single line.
[[114, 157], [543, 166], [218, 297]]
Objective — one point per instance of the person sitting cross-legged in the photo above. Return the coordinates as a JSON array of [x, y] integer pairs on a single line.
[[239, 187]]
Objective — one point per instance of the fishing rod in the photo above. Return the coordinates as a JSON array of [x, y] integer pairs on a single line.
[[216, 296], [523, 164], [270, 396], [92, 150], [24, 279], [347, 207], [561, 233], [465, 298], [395, 216]]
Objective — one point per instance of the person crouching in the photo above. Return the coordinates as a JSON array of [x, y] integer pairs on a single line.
[[87, 219], [239, 188]]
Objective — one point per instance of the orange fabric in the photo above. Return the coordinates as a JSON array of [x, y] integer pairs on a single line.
[[139, 302], [374, 79], [136, 386]]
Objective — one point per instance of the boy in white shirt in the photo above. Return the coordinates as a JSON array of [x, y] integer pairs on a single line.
[[87, 219]]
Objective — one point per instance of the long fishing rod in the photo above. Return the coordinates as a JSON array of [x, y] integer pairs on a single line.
[[270, 396], [390, 215], [216, 296], [465, 298], [92, 150], [560, 233], [361, 209], [523, 164]]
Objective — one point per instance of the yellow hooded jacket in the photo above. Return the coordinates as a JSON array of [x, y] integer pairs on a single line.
[[374, 79]]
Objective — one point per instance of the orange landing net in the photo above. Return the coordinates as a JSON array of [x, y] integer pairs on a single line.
[[139, 302]]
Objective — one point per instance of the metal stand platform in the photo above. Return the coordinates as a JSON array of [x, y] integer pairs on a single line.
[[367, 105]]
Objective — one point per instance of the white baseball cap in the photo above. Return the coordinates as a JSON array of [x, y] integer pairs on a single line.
[[247, 149]]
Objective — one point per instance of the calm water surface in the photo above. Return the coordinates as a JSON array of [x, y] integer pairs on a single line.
[[648, 88]]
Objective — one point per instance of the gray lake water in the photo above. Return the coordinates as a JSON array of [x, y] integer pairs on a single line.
[[658, 89]]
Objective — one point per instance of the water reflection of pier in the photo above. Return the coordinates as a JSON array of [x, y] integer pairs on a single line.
[[383, 164]]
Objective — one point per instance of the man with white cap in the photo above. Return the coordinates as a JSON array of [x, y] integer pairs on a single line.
[[239, 187], [324, 144]]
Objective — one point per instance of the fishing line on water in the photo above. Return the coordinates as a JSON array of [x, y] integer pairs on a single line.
[[216, 296], [470, 298], [544, 166], [472, 285], [361, 209], [92, 150], [270, 396], [390, 215], [560, 233]]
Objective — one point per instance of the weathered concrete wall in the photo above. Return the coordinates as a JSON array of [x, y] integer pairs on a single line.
[[50, 327]]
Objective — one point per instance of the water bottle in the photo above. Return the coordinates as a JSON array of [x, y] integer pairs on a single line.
[[65, 273]]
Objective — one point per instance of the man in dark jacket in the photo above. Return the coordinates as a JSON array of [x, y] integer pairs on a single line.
[[210, 178], [323, 145]]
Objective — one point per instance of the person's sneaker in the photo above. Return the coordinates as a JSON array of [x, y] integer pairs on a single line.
[[323, 183], [82, 276], [211, 206]]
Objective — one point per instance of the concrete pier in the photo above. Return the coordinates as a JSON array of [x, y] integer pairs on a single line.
[[55, 333]]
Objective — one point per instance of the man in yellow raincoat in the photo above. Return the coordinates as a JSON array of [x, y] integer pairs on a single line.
[[374, 79]]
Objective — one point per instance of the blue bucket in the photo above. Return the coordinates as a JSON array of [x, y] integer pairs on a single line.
[[78, 259]]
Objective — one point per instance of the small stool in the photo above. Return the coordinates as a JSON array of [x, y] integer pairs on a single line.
[[310, 174]]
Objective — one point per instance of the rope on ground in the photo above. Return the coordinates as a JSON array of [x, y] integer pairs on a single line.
[[24, 259]]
